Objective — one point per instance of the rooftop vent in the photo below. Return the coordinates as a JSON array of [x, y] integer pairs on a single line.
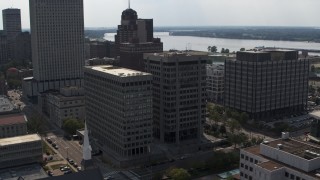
[[285, 135]]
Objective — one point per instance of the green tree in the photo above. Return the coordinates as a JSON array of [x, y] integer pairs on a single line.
[[223, 129], [234, 125], [179, 174], [244, 117], [35, 124], [242, 49], [72, 125], [222, 50], [226, 51], [212, 49]]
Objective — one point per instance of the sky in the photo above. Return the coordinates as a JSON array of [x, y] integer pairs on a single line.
[[107, 13]]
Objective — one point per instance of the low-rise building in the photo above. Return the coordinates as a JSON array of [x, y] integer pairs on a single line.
[[13, 125], [66, 104], [20, 150], [281, 159]]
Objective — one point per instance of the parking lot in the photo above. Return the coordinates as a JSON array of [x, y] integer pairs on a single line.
[[296, 120]]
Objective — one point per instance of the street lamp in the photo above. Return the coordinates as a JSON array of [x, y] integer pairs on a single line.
[[67, 152]]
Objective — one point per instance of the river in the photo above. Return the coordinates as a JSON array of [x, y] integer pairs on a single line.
[[202, 43]]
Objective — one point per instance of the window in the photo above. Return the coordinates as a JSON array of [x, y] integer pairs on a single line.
[[246, 167], [251, 159], [242, 156], [251, 169], [241, 165], [291, 176], [286, 174]]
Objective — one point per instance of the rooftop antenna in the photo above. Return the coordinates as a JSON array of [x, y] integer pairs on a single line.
[[129, 3]]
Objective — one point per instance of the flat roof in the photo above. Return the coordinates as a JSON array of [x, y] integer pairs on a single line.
[[118, 71], [5, 104], [294, 147], [315, 114], [12, 119], [270, 165], [19, 139]]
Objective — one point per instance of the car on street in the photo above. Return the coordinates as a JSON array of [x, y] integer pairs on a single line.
[[79, 168]]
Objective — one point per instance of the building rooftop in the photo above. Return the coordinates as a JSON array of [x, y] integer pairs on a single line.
[[19, 139], [315, 114], [27, 172], [270, 165], [5, 104], [117, 71], [295, 147], [12, 119]]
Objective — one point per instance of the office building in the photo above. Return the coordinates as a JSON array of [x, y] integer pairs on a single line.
[[12, 27], [100, 49], [20, 150], [102, 61], [119, 113], [266, 83], [179, 95], [215, 82], [3, 48], [22, 47], [68, 103], [13, 125], [280, 159], [135, 37], [11, 22], [57, 41]]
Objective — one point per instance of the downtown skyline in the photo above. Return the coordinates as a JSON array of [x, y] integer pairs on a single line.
[[193, 13]]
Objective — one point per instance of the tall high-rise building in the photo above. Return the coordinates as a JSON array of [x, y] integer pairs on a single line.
[[12, 27], [3, 48], [135, 37], [57, 39], [11, 22], [266, 83], [119, 113], [215, 82], [179, 95]]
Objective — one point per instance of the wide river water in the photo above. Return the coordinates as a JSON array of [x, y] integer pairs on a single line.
[[202, 43]]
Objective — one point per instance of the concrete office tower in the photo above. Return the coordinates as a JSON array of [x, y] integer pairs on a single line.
[[12, 27], [179, 95], [3, 48], [57, 39], [266, 83], [215, 82], [11, 22], [119, 113], [135, 37]]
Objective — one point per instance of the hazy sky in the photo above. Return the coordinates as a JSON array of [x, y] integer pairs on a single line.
[[106, 13]]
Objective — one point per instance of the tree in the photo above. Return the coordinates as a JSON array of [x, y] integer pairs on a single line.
[[237, 139], [226, 51], [312, 89], [212, 49], [179, 174], [223, 129], [313, 68], [234, 125], [222, 50], [72, 125], [242, 49], [35, 124], [244, 117]]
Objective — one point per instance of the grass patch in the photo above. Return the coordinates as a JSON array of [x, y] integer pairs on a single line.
[[47, 148], [57, 166]]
